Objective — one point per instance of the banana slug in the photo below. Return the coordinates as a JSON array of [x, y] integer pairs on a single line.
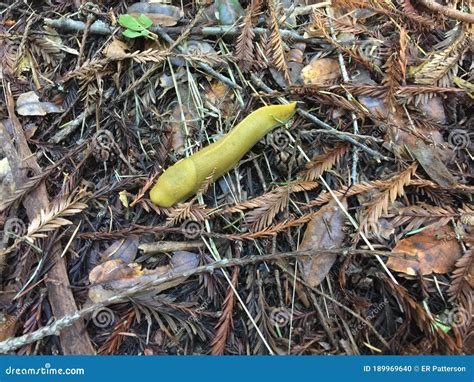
[[185, 177]]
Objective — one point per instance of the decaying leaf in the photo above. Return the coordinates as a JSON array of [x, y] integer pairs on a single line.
[[116, 50], [124, 250], [324, 231], [7, 183], [437, 250], [161, 14], [114, 276], [29, 104], [320, 71], [432, 164]]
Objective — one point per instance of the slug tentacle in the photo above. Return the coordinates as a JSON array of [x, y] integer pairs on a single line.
[[186, 176]]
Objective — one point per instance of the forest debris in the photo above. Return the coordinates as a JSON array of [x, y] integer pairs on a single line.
[[29, 104], [114, 276], [320, 71], [324, 231], [437, 250], [432, 164], [228, 11], [116, 50], [161, 14]]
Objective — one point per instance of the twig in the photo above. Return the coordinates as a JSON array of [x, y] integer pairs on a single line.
[[452, 13], [330, 130], [209, 70], [101, 28], [12, 344]]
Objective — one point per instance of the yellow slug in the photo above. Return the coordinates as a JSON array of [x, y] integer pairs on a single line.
[[186, 176]]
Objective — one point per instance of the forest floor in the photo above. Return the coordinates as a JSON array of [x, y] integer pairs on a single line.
[[349, 230]]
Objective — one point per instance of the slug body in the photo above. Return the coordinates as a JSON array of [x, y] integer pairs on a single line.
[[186, 176]]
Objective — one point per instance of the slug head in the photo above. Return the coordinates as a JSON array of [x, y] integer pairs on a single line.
[[175, 185]]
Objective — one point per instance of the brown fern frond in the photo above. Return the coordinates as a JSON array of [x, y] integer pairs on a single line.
[[115, 339], [187, 211], [381, 202], [418, 314], [275, 202], [391, 79], [462, 277], [244, 50], [53, 219], [275, 229], [225, 321], [439, 68], [421, 215], [402, 53], [8, 52], [467, 214], [410, 12], [276, 42], [320, 163]]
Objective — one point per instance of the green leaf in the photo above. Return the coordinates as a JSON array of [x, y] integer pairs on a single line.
[[132, 34], [145, 21], [130, 22]]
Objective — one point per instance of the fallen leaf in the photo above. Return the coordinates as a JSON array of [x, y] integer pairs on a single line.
[[114, 276], [7, 183], [324, 231], [29, 104], [160, 14], [320, 71], [431, 162], [116, 50], [125, 250], [437, 250]]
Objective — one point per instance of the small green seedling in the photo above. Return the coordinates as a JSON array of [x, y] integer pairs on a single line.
[[137, 26]]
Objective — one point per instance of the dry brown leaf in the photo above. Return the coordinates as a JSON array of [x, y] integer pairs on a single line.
[[321, 71], [431, 162], [116, 50], [161, 14], [324, 231], [437, 250], [114, 276]]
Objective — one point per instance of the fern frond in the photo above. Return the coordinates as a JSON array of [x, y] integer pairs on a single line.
[[53, 219], [381, 202], [276, 42]]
